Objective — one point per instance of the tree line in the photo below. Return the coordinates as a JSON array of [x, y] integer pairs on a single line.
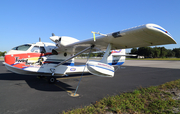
[[156, 52], [2, 53], [147, 52]]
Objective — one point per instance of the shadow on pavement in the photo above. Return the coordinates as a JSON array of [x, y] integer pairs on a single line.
[[34, 82]]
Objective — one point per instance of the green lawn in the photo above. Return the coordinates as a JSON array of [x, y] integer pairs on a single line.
[[154, 99]]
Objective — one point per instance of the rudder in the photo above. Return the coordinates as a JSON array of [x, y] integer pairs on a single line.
[[117, 57]]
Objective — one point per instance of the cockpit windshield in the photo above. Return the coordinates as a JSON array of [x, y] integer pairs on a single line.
[[24, 47]]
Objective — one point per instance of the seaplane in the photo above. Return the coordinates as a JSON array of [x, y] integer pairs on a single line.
[[57, 58]]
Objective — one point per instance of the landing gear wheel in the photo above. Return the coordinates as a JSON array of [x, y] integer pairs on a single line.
[[52, 80]]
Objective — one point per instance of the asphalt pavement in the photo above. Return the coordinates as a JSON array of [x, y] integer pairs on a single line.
[[21, 94]]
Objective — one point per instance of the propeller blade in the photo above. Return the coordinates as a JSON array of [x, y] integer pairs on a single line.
[[39, 39], [53, 34]]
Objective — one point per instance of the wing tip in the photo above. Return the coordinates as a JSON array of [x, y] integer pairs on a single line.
[[160, 29]]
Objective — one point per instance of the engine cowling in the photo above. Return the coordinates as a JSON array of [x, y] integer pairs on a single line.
[[63, 40], [100, 69]]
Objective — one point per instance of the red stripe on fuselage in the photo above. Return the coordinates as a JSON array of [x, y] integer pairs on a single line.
[[11, 58]]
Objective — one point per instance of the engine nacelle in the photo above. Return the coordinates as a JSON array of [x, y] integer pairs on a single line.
[[100, 69], [63, 40]]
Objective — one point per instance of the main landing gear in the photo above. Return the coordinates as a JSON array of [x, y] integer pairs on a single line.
[[51, 79]]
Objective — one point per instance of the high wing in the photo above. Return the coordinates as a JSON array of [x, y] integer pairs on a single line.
[[140, 36]]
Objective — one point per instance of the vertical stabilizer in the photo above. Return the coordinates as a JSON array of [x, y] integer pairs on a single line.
[[117, 57]]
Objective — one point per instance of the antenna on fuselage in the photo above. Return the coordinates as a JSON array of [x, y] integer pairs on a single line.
[[39, 39]]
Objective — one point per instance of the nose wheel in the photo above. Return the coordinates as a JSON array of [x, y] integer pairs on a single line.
[[52, 80]]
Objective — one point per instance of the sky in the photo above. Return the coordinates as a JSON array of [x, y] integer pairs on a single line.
[[24, 21]]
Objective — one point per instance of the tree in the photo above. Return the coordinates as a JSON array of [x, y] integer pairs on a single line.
[[134, 51], [163, 52], [156, 52], [100, 54], [2, 53], [170, 53], [145, 51], [177, 52]]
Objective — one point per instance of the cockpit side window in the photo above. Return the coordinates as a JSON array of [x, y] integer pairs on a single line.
[[42, 50], [35, 49], [24, 47]]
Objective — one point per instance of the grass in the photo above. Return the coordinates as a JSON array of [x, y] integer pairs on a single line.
[[165, 59], [154, 99]]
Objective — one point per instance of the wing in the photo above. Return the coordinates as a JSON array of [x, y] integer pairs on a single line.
[[140, 36]]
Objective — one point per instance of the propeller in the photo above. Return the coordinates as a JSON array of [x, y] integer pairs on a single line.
[[39, 39], [57, 41], [53, 34]]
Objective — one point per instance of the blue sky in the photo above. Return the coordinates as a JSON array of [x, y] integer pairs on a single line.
[[24, 21]]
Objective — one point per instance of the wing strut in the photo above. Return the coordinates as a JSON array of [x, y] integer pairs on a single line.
[[74, 94], [53, 69], [74, 56]]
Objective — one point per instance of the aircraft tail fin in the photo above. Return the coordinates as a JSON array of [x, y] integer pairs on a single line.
[[117, 57]]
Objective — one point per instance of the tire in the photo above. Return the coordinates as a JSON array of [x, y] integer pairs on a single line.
[[52, 80]]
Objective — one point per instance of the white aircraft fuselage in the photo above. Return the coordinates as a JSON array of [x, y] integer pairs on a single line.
[[37, 59]]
